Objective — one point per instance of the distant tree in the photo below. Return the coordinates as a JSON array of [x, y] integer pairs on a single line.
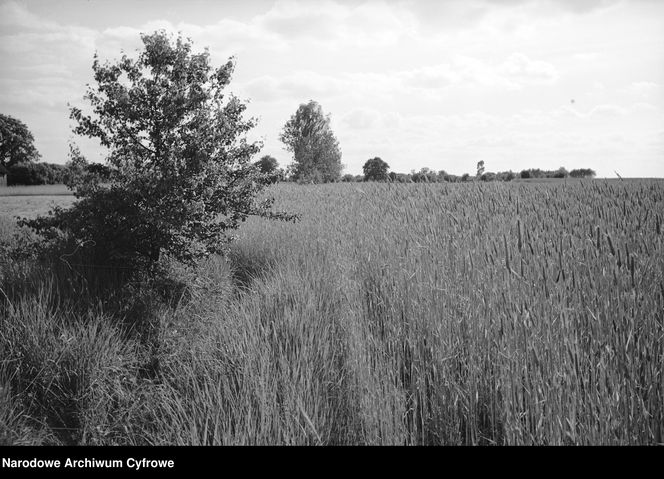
[[181, 164], [537, 173], [561, 173], [16, 142], [375, 169], [348, 178], [35, 174], [532, 173], [582, 173], [425, 175], [26, 174], [267, 164], [505, 175], [405, 178], [316, 154], [488, 176], [400, 177], [465, 177], [480, 168]]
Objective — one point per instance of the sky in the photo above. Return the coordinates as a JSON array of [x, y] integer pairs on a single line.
[[437, 84]]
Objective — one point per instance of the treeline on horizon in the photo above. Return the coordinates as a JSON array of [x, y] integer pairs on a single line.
[[19, 159], [38, 173], [426, 175], [34, 173]]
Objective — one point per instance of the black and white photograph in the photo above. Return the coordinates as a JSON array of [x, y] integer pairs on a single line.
[[328, 223]]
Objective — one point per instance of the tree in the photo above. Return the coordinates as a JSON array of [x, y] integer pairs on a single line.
[[375, 169], [180, 170], [348, 178], [505, 175], [315, 149], [35, 174], [480, 168], [267, 164], [16, 142], [582, 173], [561, 173], [425, 175]]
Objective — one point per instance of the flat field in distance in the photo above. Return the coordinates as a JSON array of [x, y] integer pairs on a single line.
[[32, 201], [38, 190], [484, 313]]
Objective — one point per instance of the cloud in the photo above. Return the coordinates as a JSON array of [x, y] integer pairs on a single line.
[[492, 141], [522, 70], [302, 85], [361, 118], [643, 88], [516, 72], [14, 16], [585, 6], [38, 93], [575, 6], [338, 25]]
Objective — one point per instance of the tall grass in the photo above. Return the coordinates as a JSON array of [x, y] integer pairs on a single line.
[[390, 314]]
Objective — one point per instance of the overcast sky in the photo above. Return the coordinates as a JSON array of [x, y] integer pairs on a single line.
[[438, 84]]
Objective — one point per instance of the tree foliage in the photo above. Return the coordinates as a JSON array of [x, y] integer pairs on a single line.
[[180, 171], [480, 168], [308, 135], [582, 173], [267, 164], [375, 169], [35, 174], [16, 142]]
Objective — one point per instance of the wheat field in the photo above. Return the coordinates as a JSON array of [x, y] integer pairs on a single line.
[[389, 314]]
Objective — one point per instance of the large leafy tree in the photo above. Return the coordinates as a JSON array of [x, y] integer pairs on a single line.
[[375, 169], [16, 142], [181, 172], [316, 153]]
